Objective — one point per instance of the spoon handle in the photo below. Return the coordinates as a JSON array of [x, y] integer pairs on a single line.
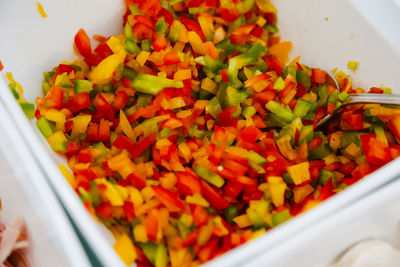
[[374, 99]]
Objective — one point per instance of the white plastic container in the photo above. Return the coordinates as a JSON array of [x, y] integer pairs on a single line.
[[375, 216], [327, 34], [26, 194]]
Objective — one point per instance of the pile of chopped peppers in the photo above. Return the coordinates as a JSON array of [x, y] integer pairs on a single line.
[[190, 134]]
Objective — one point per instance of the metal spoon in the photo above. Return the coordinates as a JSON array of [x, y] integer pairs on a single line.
[[356, 99]]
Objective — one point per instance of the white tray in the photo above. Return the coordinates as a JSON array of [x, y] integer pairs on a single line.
[[26, 194], [376, 216], [36, 45]]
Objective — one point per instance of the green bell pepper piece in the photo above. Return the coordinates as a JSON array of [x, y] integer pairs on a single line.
[[81, 86], [195, 132], [131, 46], [161, 26], [249, 112], [236, 24], [280, 217], [13, 91], [303, 78], [230, 213], [28, 109], [209, 176], [281, 112], [213, 107], [244, 6], [65, 81], [194, 10], [151, 84], [324, 176], [230, 48], [45, 127], [128, 31], [235, 63], [146, 45], [289, 70], [95, 196], [274, 121], [302, 107], [306, 134], [256, 158], [235, 97], [150, 251], [129, 73], [279, 84], [135, 10], [319, 152]]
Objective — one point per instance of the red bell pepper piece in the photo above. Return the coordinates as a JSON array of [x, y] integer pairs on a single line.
[[93, 132], [72, 149], [160, 44], [84, 156], [145, 20], [137, 181], [142, 31], [265, 96], [318, 76], [104, 131], [78, 102], [120, 100], [166, 197], [224, 75], [143, 144], [150, 7], [171, 58], [192, 25], [56, 96], [213, 197], [129, 210], [188, 184], [250, 134], [319, 115], [194, 3], [274, 64], [82, 43], [151, 224], [104, 209], [351, 121], [200, 216], [101, 103], [229, 15]]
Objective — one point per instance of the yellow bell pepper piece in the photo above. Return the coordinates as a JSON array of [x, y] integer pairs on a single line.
[[56, 138], [185, 151], [41, 10], [168, 180], [54, 115], [140, 233], [111, 192], [197, 199], [183, 74], [209, 85], [335, 140], [301, 192], [196, 43], [126, 126], [285, 147], [300, 172], [115, 45], [80, 125], [352, 150], [104, 71], [243, 221], [266, 6], [68, 175], [125, 249], [142, 57], [277, 189], [122, 164], [205, 234]]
